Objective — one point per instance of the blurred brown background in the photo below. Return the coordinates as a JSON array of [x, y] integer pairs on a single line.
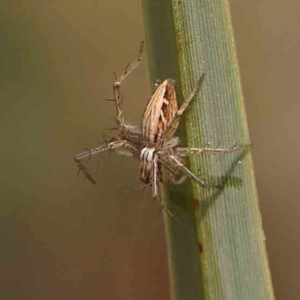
[[63, 238]]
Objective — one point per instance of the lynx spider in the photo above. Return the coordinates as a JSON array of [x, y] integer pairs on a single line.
[[154, 144]]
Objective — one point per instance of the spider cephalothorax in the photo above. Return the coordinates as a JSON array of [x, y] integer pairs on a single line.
[[154, 143]]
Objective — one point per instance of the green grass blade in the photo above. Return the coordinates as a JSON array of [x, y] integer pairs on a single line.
[[224, 239]]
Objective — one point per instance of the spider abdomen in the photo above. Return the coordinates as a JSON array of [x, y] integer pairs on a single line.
[[159, 111]]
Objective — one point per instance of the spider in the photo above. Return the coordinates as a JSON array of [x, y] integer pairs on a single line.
[[154, 143]]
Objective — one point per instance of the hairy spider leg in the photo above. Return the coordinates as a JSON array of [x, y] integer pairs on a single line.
[[110, 146], [172, 126], [185, 170], [117, 85], [186, 151]]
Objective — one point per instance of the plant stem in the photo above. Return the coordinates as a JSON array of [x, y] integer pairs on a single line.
[[185, 39]]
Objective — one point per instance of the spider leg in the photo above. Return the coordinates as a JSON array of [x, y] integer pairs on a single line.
[[109, 146], [155, 179], [183, 152], [180, 180], [172, 170], [172, 126], [155, 185], [190, 97], [117, 84], [185, 170]]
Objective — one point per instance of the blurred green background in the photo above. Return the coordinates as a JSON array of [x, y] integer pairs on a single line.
[[64, 238]]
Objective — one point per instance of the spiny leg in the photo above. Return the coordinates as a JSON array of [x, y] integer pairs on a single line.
[[172, 170], [117, 84], [155, 185], [155, 179], [185, 170], [114, 145], [190, 97], [180, 180], [107, 147], [174, 121], [183, 152]]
